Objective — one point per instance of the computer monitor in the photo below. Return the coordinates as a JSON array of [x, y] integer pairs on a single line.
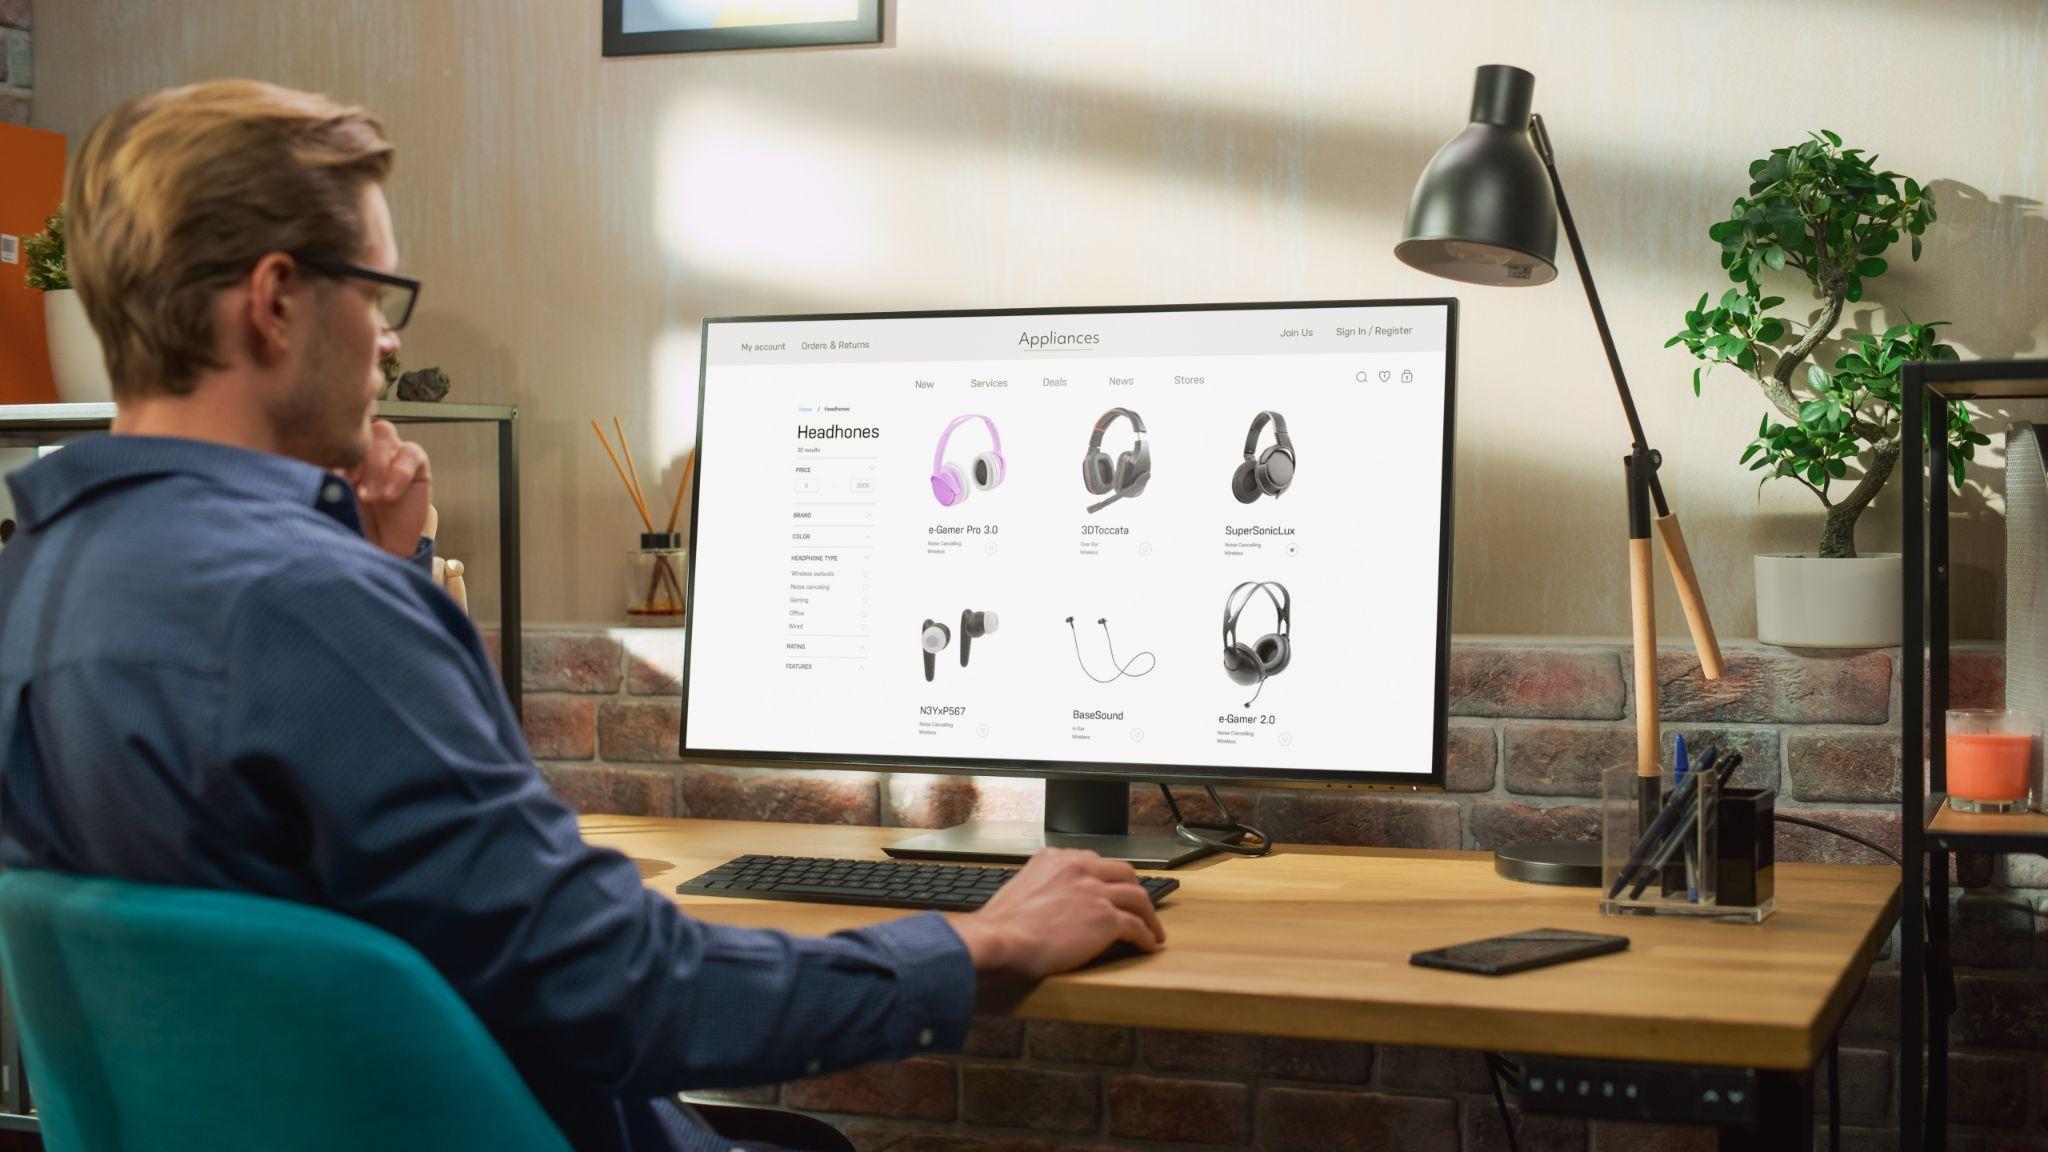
[[1197, 544]]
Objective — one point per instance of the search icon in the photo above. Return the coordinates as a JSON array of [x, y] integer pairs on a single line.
[[1361, 377]]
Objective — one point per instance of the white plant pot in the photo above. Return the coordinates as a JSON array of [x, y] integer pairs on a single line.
[[1816, 602], [75, 358]]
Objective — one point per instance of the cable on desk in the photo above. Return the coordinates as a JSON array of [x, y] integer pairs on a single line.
[[1228, 836], [1844, 833]]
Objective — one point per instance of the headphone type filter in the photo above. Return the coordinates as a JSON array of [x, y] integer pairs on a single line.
[[1130, 472], [952, 486], [935, 637], [1267, 656], [1273, 470]]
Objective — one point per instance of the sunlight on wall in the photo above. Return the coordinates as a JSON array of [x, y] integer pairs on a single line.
[[672, 393], [738, 190]]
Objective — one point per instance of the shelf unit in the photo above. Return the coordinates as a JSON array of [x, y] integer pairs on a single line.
[[1929, 830], [28, 425]]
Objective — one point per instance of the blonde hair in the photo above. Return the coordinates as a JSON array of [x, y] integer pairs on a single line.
[[177, 195]]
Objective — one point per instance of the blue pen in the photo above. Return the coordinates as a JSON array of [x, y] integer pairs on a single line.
[[1691, 854]]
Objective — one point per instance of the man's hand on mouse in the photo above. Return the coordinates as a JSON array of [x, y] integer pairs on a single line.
[[1057, 913], [393, 486]]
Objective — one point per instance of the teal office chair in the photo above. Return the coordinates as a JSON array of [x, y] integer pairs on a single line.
[[158, 1018]]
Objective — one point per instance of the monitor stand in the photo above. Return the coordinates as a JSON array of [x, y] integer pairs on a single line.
[[1091, 814]]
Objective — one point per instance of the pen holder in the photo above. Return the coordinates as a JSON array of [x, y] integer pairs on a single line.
[[1707, 854]]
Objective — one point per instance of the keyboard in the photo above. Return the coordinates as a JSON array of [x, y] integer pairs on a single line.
[[878, 883]]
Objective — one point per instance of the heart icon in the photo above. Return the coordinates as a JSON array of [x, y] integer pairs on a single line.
[[1385, 375]]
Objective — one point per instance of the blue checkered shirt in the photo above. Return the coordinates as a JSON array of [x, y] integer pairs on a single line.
[[209, 678]]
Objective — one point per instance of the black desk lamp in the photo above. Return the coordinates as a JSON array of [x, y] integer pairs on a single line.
[[1485, 212]]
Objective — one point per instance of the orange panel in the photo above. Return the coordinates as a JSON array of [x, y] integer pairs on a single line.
[[34, 163]]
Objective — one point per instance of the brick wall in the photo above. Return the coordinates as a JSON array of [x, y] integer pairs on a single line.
[[17, 73], [1527, 719]]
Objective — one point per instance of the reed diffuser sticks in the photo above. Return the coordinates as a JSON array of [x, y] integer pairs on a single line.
[[664, 597]]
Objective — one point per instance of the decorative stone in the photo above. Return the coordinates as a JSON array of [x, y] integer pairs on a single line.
[[427, 386]]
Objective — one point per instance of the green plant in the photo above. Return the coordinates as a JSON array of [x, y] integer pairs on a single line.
[[45, 254], [1826, 212]]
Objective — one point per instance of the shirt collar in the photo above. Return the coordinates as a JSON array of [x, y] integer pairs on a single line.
[[45, 490]]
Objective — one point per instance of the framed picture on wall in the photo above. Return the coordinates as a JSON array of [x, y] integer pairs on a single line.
[[644, 27]]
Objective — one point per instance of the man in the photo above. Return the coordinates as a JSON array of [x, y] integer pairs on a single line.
[[223, 663]]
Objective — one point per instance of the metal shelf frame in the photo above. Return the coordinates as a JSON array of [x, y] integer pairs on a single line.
[[25, 425], [1929, 832]]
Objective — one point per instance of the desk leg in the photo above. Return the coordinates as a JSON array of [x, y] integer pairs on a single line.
[[1784, 1116]]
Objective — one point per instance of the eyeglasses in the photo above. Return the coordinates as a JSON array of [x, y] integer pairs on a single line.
[[395, 294]]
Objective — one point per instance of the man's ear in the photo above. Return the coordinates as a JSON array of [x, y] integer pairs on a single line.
[[273, 303]]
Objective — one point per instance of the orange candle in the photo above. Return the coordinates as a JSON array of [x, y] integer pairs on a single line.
[[1989, 765]]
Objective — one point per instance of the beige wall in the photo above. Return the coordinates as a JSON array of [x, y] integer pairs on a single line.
[[574, 217]]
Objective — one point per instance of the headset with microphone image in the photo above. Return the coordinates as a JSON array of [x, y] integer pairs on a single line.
[[1122, 668], [1266, 657], [949, 484], [935, 636], [1273, 470], [1128, 474]]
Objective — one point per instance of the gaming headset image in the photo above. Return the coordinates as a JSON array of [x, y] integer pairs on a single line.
[[1273, 470], [935, 636], [1265, 657], [985, 471], [1131, 471]]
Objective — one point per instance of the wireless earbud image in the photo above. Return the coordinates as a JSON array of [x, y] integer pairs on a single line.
[[934, 640], [973, 624]]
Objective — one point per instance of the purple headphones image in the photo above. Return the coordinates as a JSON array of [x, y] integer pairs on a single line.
[[949, 485]]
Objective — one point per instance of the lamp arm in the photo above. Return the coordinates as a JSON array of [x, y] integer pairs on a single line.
[[1571, 235], [1676, 553]]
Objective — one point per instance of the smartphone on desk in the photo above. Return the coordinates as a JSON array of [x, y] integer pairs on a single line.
[[1519, 952]]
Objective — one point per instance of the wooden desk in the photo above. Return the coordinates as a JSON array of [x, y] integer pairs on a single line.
[[1314, 942]]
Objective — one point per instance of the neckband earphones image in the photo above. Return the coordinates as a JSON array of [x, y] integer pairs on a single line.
[[1128, 474], [952, 486], [935, 636], [1265, 657], [1123, 668], [1271, 471]]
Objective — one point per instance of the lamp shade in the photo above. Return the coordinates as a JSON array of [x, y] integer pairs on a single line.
[[1483, 211]]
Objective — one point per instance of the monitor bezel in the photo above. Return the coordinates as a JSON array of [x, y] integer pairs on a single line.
[[1359, 779]]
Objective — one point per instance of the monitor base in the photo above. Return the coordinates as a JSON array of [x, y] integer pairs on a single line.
[[1565, 863], [1013, 842]]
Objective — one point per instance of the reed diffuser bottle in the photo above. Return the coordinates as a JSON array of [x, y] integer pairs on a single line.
[[654, 580], [655, 570]]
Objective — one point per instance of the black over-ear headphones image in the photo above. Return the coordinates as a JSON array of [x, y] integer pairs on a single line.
[[1273, 471], [1131, 470], [1268, 655]]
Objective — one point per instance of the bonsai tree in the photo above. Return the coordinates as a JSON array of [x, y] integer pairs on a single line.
[[45, 253], [1827, 213]]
